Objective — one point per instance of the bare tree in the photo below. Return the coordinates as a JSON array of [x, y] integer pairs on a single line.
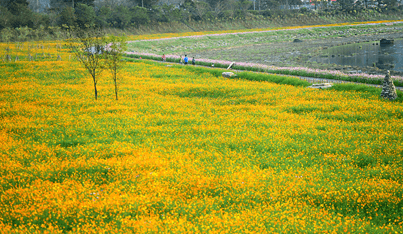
[[116, 46], [88, 47]]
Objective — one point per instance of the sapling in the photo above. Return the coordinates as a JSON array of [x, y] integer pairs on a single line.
[[88, 46], [116, 46]]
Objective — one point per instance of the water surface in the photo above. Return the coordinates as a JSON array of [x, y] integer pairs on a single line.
[[366, 54]]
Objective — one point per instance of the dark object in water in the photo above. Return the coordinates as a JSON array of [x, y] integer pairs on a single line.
[[297, 40], [386, 41]]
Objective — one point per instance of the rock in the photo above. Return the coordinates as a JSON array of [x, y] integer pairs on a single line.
[[228, 74], [386, 41], [321, 86], [388, 88], [297, 40], [382, 65]]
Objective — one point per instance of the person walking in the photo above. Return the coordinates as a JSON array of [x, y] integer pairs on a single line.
[[186, 59], [193, 61], [181, 60], [164, 59]]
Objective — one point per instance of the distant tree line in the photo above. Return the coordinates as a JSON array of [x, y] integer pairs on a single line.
[[50, 15]]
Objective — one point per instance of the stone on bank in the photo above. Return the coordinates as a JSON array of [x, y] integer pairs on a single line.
[[388, 88]]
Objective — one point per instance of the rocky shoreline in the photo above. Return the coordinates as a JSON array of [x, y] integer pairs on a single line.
[[361, 39], [296, 54]]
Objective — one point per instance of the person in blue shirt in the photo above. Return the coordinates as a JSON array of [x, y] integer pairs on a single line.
[[186, 59]]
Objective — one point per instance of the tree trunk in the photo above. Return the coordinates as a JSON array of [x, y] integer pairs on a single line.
[[95, 85], [96, 91], [116, 85], [116, 90]]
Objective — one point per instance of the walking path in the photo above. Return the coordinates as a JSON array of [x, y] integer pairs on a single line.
[[308, 79]]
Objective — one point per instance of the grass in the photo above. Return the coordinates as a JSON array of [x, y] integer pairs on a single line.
[[296, 71], [186, 150]]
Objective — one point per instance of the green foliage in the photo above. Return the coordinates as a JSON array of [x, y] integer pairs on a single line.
[[6, 17], [146, 3], [6, 34], [15, 6], [68, 17], [215, 14], [18, 14], [121, 17], [139, 16], [70, 3], [103, 17], [171, 13], [23, 33], [85, 15]]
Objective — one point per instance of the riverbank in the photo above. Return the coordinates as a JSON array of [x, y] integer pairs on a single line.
[[276, 50]]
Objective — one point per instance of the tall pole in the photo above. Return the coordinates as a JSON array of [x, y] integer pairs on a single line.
[[73, 3], [254, 5], [142, 3]]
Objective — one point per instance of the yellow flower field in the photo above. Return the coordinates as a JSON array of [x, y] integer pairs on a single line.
[[190, 152]]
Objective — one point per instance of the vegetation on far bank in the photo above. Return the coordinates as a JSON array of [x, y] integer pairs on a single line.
[[21, 21]]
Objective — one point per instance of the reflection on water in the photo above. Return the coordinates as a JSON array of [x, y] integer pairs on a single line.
[[366, 54]]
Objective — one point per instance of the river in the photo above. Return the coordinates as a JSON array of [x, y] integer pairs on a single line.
[[372, 54]]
